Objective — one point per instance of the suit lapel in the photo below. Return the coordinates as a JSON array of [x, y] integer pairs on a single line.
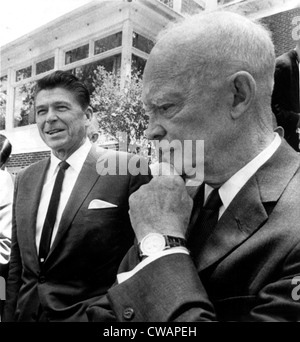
[[87, 177], [33, 190], [249, 209], [234, 227]]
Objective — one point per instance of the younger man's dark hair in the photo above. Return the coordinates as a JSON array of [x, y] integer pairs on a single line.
[[68, 81]]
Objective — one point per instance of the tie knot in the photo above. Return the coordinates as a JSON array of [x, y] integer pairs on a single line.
[[213, 201], [63, 165]]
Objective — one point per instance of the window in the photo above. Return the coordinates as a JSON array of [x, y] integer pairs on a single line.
[[46, 65], [108, 43], [77, 54], [225, 2], [138, 64], [86, 72], [142, 43], [167, 2], [3, 100], [23, 105], [3, 82], [23, 73]]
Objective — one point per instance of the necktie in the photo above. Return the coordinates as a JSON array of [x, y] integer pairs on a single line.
[[51, 212], [205, 222]]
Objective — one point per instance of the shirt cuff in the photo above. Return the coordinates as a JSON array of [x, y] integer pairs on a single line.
[[121, 277]]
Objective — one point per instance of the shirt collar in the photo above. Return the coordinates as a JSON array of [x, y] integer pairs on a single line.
[[76, 159], [234, 184], [297, 57]]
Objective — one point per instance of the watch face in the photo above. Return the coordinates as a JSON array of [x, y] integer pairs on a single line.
[[153, 243]]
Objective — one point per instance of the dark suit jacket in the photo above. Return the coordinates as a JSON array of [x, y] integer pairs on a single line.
[[89, 245], [285, 98], [243, 271]]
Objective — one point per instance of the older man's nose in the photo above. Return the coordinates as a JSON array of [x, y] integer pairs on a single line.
[[155, 132]]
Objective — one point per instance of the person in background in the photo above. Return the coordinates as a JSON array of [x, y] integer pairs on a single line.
[[71, 226], [232, 253], [6, 199], [286, 95]]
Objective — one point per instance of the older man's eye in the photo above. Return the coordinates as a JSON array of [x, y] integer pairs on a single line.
[[62, 108], [166, 106]]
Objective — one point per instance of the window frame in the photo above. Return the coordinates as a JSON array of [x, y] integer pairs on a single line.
[[59, 62], [42, 60]]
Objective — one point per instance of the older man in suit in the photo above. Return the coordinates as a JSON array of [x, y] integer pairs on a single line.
[[66, 247], [236, 256], [286, 96]]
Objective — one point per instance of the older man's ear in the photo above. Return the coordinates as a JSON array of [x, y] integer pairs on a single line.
[[243, 89]]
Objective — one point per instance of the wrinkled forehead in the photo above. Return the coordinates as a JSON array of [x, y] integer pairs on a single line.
[[160, 86], [165, 72]]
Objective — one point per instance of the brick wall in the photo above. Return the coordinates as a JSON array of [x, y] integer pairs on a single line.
[[281, 26], [22, 160]]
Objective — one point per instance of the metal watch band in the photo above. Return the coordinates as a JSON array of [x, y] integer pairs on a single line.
[[170, 242], [173, 241]]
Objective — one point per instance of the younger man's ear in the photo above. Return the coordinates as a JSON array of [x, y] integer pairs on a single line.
[[243, 88], [89, 113]]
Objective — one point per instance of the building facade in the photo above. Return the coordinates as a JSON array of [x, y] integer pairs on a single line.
[[115, 34]]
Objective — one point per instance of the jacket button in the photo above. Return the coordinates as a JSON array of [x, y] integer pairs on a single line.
[[128, 314], [42, 279]]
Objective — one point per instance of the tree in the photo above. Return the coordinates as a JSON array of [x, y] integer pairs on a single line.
[[3, 100], [119, 110], [25, 111]]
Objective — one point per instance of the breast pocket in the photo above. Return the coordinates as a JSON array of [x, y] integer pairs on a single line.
[[106, 229], [114, 213]]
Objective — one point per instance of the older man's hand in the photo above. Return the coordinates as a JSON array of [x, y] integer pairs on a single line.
[[161, 206]]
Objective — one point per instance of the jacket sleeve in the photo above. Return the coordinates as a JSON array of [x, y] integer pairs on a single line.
[[170, 290], [6, 199], [279, 301], [167, 289], [15, 270]]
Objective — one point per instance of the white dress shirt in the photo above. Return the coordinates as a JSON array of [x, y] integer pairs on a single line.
[[6, 200], [227, 193], [76, 161], [234, 184], [298, 62]]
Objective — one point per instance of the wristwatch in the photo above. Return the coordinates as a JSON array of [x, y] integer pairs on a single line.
[[153, 243]]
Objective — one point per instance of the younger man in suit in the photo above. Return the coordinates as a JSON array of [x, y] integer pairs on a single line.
[[66, 247], [286, 95]]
